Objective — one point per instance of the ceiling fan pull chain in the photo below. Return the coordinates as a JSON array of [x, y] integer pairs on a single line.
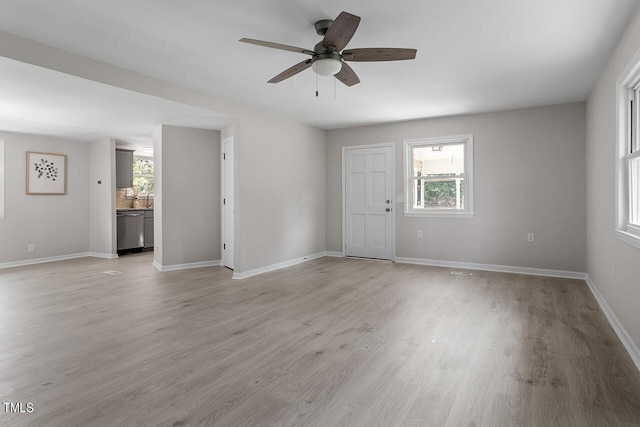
[[316, 85]]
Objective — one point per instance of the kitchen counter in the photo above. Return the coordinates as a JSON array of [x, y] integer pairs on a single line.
[[133, 209]]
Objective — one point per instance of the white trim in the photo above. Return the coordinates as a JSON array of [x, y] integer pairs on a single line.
[[188, 266], [2, 215], [102, 255], [43, 260], [391, 145], [277, 266], [407, 146], [628, 238], [343, 240], [228, 140], [221, 199], [334, 254], [435, 214], [493, 267], [623, 335], [628, 79]]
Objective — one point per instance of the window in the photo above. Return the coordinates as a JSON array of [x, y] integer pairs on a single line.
[[143, 179], [1, 180], [628, 155], [438, 176]]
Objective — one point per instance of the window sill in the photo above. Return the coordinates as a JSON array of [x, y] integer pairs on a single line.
[[439, 214], [628, 238]]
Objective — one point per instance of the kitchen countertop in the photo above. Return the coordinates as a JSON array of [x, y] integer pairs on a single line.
[[133, 209]]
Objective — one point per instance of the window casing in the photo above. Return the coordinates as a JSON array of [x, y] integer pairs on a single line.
[[628, 155], [439, 177]]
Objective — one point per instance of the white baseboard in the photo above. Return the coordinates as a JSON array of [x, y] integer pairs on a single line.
[[492, 267], [187, 266], [622, 333], [277, 266], [334, 254], [43, 260], [102, 255]]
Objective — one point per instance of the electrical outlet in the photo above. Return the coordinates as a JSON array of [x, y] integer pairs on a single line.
[[530, 237], [31, 247], [419, 234]]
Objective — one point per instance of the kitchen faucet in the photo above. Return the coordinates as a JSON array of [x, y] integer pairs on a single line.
[[148, 194]]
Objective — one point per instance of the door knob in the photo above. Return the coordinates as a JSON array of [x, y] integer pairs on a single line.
[[388, 209], [388, 201]]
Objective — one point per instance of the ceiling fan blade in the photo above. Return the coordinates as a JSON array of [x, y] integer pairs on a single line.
[[277, 46], [378, 54], [341, 31], [291, 71], [347, 75]]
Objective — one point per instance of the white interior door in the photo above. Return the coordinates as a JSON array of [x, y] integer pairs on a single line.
[[368, 204], [227, 203]]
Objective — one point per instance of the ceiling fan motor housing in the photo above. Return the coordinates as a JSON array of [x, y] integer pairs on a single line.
[[322, 26]]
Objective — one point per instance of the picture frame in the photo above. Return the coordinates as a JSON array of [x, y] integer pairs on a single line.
[[46, 173]]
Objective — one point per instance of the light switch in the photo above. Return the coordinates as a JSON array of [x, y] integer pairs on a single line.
[[400, 199]]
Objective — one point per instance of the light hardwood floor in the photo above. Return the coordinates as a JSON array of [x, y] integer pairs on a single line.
[[329, 342]]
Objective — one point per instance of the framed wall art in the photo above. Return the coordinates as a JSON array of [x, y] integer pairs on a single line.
[[46, 173]]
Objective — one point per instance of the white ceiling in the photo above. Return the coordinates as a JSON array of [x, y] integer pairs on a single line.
[[473, 56], [41, 101]]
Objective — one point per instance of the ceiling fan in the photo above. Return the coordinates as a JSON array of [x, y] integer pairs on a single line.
[[328, 57]]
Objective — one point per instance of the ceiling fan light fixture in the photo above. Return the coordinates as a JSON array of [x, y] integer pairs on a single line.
[[326, 66]]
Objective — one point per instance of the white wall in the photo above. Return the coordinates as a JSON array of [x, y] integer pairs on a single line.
[[529, 171], [102, 198], [279, 190], [292, 189], [57, 225], [622, 289], [158, 160], [187, 199]]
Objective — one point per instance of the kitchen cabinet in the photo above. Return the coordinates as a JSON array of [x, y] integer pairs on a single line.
[[124, 168], [148, 229]]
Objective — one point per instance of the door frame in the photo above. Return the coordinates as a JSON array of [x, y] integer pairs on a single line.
[[393, 196], [224, 165]]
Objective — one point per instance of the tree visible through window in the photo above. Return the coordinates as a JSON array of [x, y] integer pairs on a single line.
[[438, 175], [143, 176]]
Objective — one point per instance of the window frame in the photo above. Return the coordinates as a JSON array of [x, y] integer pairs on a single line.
[[408, 146], [627, 149]]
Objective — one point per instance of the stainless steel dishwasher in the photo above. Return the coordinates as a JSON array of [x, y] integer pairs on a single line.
[[130, 230]]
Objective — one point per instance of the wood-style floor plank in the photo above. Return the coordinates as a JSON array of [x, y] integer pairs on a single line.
[[328, 342]]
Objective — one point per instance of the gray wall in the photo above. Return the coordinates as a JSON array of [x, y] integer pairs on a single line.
[[56, 225], [529, 172], [188, 195], [279, 190], [622, 289], [102, 201]]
